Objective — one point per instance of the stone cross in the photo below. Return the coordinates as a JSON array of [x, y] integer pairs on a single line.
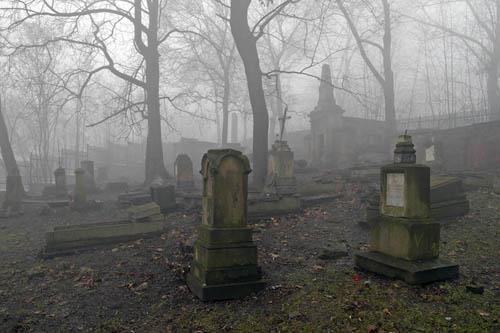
[[282, 123]]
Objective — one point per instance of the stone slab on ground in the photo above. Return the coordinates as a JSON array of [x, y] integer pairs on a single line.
[[116, 187], [140, 212], [134, 198], [50, 203], [67, 239], [223, 291], [274, 206], [315, 188], [412, 272], [312, 200]]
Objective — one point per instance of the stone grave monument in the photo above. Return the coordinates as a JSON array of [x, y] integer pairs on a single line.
[[404, 241], [225, 257], [281, 177], [164, 196], [80, 192], [60, 178], [184, 172]]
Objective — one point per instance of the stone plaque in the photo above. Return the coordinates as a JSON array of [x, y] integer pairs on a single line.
[[395, 190], [430, 154]]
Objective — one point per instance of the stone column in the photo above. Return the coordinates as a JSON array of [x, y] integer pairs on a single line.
[[60, 177], [225, 257], [80, 193], [404, 241]]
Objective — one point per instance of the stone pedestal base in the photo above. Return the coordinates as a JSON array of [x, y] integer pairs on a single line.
[[223, 291], [412, 272], [225, 264]]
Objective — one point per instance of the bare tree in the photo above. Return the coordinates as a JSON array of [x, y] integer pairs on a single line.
[[385, 79], [14, 190], [485, 46], [246, 42], [104, 17]]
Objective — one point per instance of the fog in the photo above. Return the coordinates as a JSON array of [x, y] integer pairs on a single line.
[[249, 166]]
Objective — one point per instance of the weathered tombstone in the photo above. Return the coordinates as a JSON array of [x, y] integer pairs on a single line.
[[60, 178], [404, 241], [88, 168], [184, 172], [164, 196], [80, 193], [280, 171], [281, 177], [225, 257], [496, 183]]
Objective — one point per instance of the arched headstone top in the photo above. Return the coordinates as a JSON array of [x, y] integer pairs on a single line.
[[183, 160], [213, 159]]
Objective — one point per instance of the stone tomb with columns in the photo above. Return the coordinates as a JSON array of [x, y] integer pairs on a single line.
[[338, 141], [225, 257], [404, 241]]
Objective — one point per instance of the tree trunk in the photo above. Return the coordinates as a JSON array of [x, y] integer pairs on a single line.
[[492, 90], [492, 80], [155, 166], [14, 186], [225, 107], [277, 111], [246, 44], [389, 95]]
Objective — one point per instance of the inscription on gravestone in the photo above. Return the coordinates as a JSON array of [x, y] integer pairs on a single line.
[[395, 189]]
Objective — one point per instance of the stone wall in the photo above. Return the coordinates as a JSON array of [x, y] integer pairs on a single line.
[[468, 148]]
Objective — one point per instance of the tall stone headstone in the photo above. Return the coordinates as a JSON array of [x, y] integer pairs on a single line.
[[184, 172], [60, 178], [225, 257], [404, 241], [164, 196], [281, 175], [80, 193]]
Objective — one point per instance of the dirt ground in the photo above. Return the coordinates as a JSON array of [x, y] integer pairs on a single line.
[[139, 286]]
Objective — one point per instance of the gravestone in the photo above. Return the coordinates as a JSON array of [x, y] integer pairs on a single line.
[[60, 178], [404, 241], [225, 257], [281, 177], [164, 196], [88, 168], [184, 172], [80, 192], [496, 183], [280, 171]]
